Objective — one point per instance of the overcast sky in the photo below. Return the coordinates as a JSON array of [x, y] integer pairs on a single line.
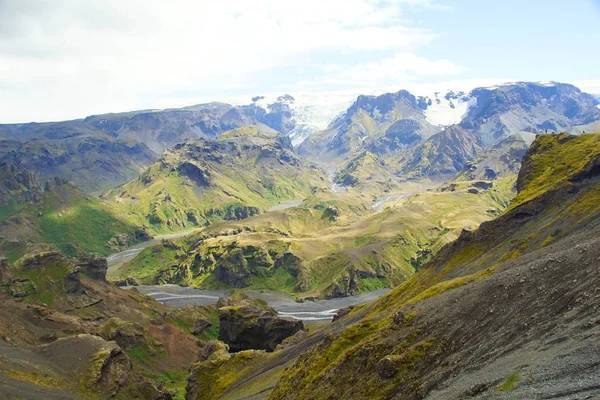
[[63, 59]]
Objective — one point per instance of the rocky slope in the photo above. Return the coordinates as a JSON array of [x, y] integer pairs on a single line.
[[443, 154], [382, 124], [501, 160], [506, 311], [94, 163], [528, 107], [197, 182], [436, 136], [66, 334]]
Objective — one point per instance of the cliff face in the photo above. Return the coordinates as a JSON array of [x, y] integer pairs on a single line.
[[506, 311], [18, 186]]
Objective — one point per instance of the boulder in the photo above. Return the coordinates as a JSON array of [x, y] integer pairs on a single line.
[[342, 312], [200, 325], [102, 365], [194, 316], [126, 334]]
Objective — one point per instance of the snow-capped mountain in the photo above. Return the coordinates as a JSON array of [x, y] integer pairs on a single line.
[[439, 132], [443, 104]]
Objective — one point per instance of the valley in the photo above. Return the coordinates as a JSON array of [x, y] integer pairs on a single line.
[[299, 200], [213, 254]]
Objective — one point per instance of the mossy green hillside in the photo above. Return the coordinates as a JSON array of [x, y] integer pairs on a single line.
[[552, 161], [69, 220], [199, 182], [299, 252]]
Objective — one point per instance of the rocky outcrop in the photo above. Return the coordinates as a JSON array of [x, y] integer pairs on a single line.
[[342, 312], [197, 174], [40, 260], [126, 334], [104, 364], [247, 323], [93, 266], [18, 184], [4, 273], [196, 317], [346, 285], [203, 374]]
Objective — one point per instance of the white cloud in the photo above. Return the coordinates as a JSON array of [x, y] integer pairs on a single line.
[[402, 67], [69, 58]]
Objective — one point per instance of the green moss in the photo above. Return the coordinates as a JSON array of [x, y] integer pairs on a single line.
[[146, 265], [349, 338], [141, 353], [450, 284], [94, 370], [279, 280], [49, 282], [552, 160], [174, 379], [217, 374], [547, 241], [510, 383], [364, 240], [12, 207], [372, 284], [38, 379]]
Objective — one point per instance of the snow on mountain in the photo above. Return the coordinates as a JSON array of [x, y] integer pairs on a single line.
[[447, 103]]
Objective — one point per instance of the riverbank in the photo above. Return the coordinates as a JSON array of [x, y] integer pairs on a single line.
[[319, 310]]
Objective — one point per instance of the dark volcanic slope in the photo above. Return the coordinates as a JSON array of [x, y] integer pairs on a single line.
[[159, 129], [507, 311], [93, 163]]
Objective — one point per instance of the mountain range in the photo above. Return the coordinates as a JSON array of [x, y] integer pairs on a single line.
[[468, 208], [100, 152]]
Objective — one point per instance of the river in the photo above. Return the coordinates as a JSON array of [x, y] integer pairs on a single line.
[[178, 296]]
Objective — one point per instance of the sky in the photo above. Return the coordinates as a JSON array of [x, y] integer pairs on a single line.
[[63, 59]]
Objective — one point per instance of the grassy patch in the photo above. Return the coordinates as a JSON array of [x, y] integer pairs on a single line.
[[174, 380], [510, 383], [279, 280], [81, 228], [12, 207], [449, 285], [141, 353], [552, 160], [146, 265], [371, 284], [364, 240]]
